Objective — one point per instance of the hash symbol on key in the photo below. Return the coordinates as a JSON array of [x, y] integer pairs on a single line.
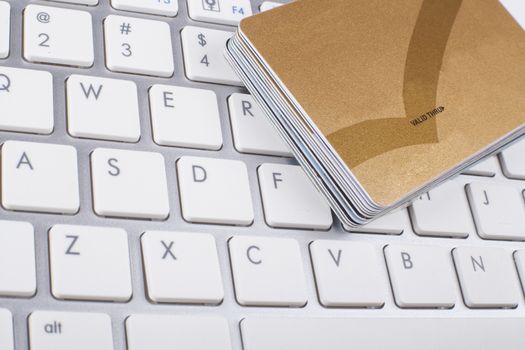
[[125, 28]]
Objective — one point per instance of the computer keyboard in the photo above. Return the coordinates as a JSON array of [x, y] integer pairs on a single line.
[[146, 203]]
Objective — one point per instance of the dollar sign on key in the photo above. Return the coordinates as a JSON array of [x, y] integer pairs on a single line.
[[202, 40]]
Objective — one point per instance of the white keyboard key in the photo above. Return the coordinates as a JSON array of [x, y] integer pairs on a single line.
[[229, 12], [139, 46], [159, 7], [172, 260], [204, 60], [129, 184], [89, 263], [381, 333], [39, 177], [513, 161], [290, 200], [214, 191], [267, 271], [421, 276], [185, 117], [5, 24], [499, 210], [102, 108], [69, 330], [486, 167], [269, 5], [349, 274], [17, 260], [167, 332], [487, 277], [59, 36], [79, 2], [391, 224], [6, 330], [442, 212], [26, 97], [252, 131]]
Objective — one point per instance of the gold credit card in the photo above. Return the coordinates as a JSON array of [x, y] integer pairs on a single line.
[[404, 91]]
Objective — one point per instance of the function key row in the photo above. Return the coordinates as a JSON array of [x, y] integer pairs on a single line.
[[93, 263]]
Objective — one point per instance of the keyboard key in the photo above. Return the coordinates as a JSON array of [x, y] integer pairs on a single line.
[[486, 167], [267, 271], [349, 274], [513, 161], [160, 7], [6, 330], [69, 330], [214, 191], [374, 333], [5, 24], [167, 332], [290, 200], [59, 36], [204, 60], [499, 210], [172, 260], [269, 5], [101, 108], [79, 2], [229, 12], [252, 131], [391, 224], [89, 263], [39, 177], [488, 277], [442, 212], [17, 260], [421, 276], [185, 117], [139, 46], [17, 88], [129, 184]]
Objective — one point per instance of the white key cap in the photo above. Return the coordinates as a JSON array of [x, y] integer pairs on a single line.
[[172, 260], [5, 24], [159, 7], [268, 5], [349, 274], [290, 200], [374, 333], [70, 330], [421, 276], [267, 271], [39, 177], [214, 191], [57, 35], [252, 131], [488, 277], [391, 224], [167, 332], [129, 184], [185, 117], [89, 263], [519, 259], [499, 210], [80, 2], [139, 46], [487, 167], [102, 108], [228, 12], [513, 161], [6, 330], [17, 259], [26, 97], [204, 60], [442, 212]]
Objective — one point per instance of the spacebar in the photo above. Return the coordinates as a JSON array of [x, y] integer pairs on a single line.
[[383, 333]]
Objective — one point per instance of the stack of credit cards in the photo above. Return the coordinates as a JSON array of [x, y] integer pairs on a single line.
[[382, 100]]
